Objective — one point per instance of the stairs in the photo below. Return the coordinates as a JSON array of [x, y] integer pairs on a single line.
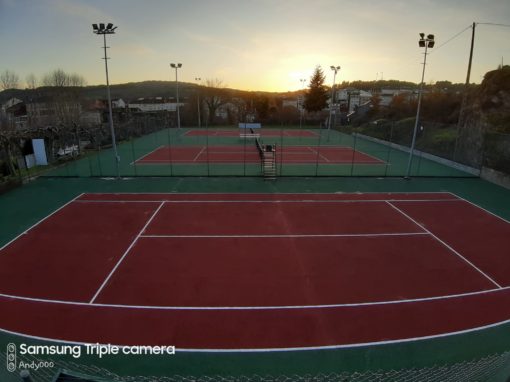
[[269, 165]]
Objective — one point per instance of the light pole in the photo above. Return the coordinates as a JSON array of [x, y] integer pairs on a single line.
[[109, 29], [422, 43], [177, 66], [198, 102], [301, 108], [335, 69]]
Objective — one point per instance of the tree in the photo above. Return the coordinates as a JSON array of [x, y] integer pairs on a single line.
[[261, 104], [9, 80], [76, 80], [59, 78], [214, 97], [31, 81], [317, 95], [56, 78], [376, 104]]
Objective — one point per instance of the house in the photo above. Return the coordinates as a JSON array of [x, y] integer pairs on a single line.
[[359, 111], [97, 112], [14, 113], [47, 110], [291, 102], [350, 98], [118, 103], [154, 105], [387, 95]]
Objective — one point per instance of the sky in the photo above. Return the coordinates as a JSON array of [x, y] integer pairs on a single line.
[[261, 45]]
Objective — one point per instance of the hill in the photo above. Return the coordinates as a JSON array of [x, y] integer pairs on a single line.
[[128, 91]]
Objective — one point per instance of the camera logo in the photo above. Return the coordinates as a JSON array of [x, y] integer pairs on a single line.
[[11, 357]]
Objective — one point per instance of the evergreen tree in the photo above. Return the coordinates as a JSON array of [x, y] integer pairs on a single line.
[[317, 95]]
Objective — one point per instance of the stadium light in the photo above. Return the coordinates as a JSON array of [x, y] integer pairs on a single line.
[[102, 30], [335, 69], [422, 43], [177, 66]]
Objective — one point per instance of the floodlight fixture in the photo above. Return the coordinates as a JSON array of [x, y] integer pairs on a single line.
[[101, 29]]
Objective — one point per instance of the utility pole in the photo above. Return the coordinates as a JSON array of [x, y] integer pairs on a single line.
[[466, 88]]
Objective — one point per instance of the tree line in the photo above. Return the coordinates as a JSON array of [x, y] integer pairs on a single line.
[[57, 78]]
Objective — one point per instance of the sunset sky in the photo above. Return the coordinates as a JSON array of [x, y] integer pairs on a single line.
[[253, 44]]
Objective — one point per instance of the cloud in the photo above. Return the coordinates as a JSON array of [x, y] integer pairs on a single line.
[[134, 49], [80, 10]]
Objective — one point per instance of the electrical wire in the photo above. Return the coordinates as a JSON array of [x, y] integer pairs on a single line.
[[451, 39]]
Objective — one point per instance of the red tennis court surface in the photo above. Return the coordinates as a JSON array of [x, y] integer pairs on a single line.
[[263, 133], [250, 154], [226, 272]]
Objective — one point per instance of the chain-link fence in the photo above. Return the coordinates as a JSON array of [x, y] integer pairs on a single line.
[[494, 367], [150, 146]]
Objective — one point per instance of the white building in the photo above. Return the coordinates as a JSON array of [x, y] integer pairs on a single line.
[[152, 105], [387, 95], [351, 98]]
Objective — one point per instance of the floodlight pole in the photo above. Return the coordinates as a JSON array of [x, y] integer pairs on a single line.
[[423, 42], [301, 109], [335, 69], [177, 66], [104, 31], [198, 103]]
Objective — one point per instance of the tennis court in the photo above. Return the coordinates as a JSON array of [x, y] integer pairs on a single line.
[[230, 272], [223, 152], [249, 153]]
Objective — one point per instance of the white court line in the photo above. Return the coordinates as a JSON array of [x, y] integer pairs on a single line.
[[125, 253], [288, 349], [483, 209], [40, 221], [200, 153], [446, 245], [281, 193], [370, 156], [269, 201], [318, 153], [149, 153], [268, 307], [291, 235]]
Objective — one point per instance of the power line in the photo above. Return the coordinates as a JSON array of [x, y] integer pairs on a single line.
[[413, 61], [452, 38], [495, 24]]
